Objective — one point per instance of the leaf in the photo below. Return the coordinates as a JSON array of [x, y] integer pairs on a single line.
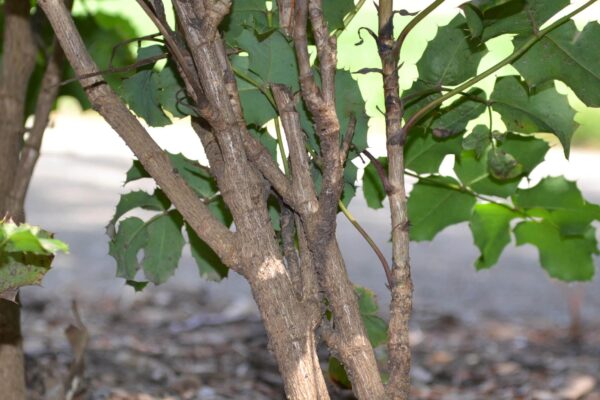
[[25, 238], [474, 19], [148, 52], [171, 93], [129, 201], [478, 140], [272, 58], [137, 286], [136, 172], [266, 140], [373, 189], [568, 55], [433, 205], [545, 110], [163, 250], [564, 258], [559, 202], [124, 246], [209, 265], [515, 16], [335, 11], [349, 191], [338, 374], [451, 57], [22, 269], [490, 225], [140, 92], [351, 104], [475, 174], [502, 165], [418, 96], [528, 150], [454, 118], [245, 14], [424, 153]]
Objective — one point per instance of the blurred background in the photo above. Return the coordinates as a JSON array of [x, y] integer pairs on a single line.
[[465, 321]]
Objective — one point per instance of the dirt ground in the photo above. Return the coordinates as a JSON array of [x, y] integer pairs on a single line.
[[178, 345]]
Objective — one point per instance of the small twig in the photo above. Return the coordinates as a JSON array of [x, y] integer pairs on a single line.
[[139, 40], [380, 171], [365, 235], [347, 143]]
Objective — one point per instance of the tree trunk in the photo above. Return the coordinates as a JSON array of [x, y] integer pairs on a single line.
[[18, 61]]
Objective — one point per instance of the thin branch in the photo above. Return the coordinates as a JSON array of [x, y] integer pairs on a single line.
[[365, 235], [380, 171], [414, 22]]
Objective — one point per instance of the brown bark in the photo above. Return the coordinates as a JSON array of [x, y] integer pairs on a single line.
[[19, 52]]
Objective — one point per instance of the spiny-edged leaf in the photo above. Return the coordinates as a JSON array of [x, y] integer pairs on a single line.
[[490, 225], [244, 14], [502, 165], [209, 265], [163, 250], [350, 174], [475, 173], [418, 96], [564, 258], [141, 94], [568, 55], [156, 202], [136, 172], [478, 140], [560, 202], [515, 16], [124, 246], [272, 58], [350, 104], [171, 93], [194, 174], [136, 285], [375, 326], [454, 119], [335, 11], [528, 150], [367, 301], [451, 57], [424, 153], [22, 269], [25, 238], [544, 110], [433, 205], [373, 189], [266, 140], [219, 209]]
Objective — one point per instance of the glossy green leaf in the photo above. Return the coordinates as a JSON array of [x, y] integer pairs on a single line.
[[141, 94], [544, 110], [424, 153], [568, 55], [490, 225], [564, 258], [373, 189], [209, 265], [433, 205], [451, 57], [163, 250]]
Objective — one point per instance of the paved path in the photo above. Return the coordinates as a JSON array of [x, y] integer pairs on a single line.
[[79, 179]]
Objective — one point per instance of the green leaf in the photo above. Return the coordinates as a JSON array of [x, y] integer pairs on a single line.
[[136, 172], [490, 225], [453, 119], [527, 150], [124, 246], [373, 189], [568, 55], [335, 11], [163, 250], [474, 19], [194, 174], [375, 326], [502, 165], [433, 205], [475, 174], [273, 58], [350, 104], [266, 140], [478, 140], [451, 57], [22, 269], [545, 110], [137, 286], [129, 201], [338, 374], [564, 258], [350, 174], [141, 94], [209, 265], [418, 96], [171, 93], [149, 51], [244, 14], [424, 153], [515, 16], [559, 202]]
